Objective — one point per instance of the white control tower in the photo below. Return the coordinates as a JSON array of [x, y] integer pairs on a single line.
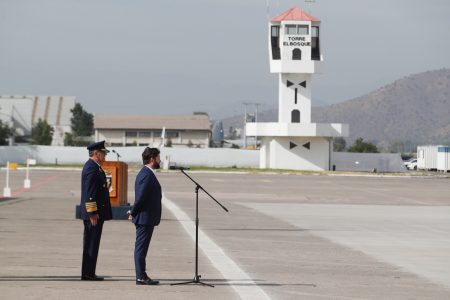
[[294, 142]]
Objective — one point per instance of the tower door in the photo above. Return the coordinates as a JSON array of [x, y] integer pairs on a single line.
[[296, 54], [295, 116]]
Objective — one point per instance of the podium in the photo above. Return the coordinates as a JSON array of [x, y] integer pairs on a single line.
[[117, 178]]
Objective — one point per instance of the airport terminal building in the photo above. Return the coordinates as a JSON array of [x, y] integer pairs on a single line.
[[140, 130]]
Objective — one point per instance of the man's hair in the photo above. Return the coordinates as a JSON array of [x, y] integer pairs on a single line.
[[91, 153], [148, 154]]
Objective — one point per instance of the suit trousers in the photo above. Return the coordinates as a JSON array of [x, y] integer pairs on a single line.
[[143, 237], [91, 244]]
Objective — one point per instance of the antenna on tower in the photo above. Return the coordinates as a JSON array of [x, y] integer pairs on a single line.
[[309, 4]]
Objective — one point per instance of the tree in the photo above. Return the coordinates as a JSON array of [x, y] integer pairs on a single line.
[[232, 133], [339, 144], [82, 125], [169, 143], [42, 133], [362, 147], [68, 139], [5, 133], [82, 122]]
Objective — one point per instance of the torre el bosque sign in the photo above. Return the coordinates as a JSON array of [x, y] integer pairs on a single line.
[[296, 41]]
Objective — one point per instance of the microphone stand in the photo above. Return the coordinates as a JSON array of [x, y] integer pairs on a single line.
[[197, 277]]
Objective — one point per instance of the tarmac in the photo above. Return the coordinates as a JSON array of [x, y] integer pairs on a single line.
[[286, 236]]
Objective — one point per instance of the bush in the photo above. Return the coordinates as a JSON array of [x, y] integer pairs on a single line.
[[363, 147]]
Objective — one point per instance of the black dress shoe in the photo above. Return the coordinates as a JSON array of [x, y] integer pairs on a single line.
[[91, 277], [147, 281]]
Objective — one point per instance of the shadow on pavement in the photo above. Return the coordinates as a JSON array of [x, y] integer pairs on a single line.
[[216, 282]]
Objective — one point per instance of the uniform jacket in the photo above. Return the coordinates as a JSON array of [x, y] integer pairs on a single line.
[[146, 209], [94, 192]]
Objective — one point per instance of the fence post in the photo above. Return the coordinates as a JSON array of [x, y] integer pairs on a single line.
[[7, 190]]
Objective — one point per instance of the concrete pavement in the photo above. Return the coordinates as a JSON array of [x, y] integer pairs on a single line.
[[285, 237]]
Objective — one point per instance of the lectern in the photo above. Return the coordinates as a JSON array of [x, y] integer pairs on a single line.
[[117, 177]]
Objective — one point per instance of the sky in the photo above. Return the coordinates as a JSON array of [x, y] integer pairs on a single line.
[[176, 57]]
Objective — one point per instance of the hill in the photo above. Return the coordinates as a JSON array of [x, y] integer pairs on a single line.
[[414, 109]]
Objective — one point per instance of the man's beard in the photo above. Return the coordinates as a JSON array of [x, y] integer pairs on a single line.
[[156, 166]]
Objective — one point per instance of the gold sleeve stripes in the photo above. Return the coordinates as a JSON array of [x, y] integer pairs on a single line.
[[91, 206]]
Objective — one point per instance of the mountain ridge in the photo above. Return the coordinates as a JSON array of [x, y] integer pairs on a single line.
[[415, 109]]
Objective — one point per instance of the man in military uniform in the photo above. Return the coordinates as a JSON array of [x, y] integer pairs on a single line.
[[95, 207]]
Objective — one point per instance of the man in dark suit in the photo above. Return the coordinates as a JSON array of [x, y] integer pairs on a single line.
[[95, 208], [146, 211]]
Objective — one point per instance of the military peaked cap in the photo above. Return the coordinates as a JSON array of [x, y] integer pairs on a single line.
[[98, 146]]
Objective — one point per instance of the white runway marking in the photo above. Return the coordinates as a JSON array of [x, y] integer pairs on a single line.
[[245, 286], [415, 238]]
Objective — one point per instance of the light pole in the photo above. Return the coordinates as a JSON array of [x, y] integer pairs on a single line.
[[245, 123], [256, 104]]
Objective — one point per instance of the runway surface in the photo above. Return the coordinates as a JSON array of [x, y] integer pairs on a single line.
[[284, 237]]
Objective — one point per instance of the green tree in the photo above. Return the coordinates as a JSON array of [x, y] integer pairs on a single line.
[[82, 122], [339, 144], [5, 133], [362, 147], [82, 125], [42, 133], [169, 143], [232, 133], [68, 139]]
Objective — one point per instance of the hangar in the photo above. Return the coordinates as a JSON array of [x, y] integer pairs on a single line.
[[21, 113]]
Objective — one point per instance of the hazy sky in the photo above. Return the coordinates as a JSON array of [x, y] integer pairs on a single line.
[[176, 57]]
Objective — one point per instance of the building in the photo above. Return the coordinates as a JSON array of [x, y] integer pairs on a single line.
[[433, 157], [21, 113], [133, 130], [295, 54]]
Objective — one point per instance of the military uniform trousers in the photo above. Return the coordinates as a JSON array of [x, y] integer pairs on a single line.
[[143, 237], [91, 244]]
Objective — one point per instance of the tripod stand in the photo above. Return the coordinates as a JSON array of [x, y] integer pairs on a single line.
[[197, 277]]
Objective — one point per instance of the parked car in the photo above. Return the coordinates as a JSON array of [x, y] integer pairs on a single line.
[[411, 164]]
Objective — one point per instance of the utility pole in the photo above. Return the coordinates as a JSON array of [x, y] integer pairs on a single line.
[[245, 123], [256, 121], [310, 2], [256, 104]]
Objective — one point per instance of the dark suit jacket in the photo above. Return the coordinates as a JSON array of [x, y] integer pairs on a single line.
[[94, 192], [146, 209]]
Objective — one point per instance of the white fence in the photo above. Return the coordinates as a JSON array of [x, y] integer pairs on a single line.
[[210, 157], [367, 162]]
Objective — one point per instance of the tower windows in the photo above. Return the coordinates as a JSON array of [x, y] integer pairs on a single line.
[[275, 42], [296, 30], [296, 54], [315, 49], [295, 116]]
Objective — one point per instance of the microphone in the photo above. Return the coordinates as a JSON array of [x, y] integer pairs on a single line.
[[118, 155]]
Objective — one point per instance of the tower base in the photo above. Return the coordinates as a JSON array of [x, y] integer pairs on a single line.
[[296, 153]]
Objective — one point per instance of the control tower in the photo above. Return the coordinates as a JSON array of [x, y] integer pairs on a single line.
[[295, 54]]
